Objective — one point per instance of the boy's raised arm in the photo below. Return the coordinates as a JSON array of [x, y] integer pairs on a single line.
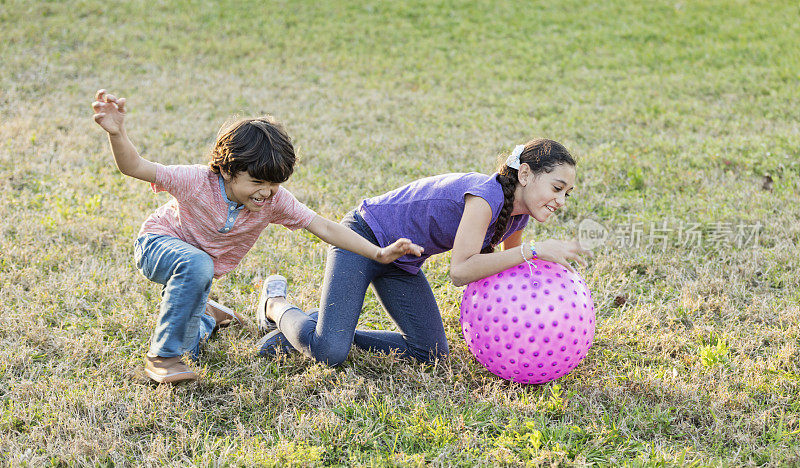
[[109, 113], [342, 237]]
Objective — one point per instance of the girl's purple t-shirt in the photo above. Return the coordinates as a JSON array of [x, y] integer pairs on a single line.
[[428, 211]]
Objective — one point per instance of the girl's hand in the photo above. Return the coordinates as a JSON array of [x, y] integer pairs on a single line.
[[399, 248], [109, 112], [562, 252]]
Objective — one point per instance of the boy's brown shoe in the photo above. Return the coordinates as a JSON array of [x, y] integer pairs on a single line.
[[225, 316], [168, 370]]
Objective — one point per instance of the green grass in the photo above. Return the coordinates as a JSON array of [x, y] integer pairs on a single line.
[[676, 111]]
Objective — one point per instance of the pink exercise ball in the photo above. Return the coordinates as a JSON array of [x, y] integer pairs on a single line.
[[529, 328]]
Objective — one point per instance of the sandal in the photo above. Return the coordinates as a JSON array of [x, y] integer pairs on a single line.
[[274, 286]]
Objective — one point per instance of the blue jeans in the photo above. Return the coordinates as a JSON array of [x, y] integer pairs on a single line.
[[186, 273], [407, 298]]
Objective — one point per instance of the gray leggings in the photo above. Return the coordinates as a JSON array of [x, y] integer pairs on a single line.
[[407, 298]]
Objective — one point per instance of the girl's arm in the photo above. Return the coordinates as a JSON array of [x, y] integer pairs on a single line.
[[468, 264], [345, 238], [109, 113]]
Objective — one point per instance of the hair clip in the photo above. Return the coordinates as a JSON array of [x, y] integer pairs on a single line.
[[513, 158]]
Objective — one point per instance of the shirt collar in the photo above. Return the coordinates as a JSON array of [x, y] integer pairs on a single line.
[[235, 205]]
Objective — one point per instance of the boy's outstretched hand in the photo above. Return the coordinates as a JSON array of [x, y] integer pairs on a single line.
[[396, 250], [109, 111]]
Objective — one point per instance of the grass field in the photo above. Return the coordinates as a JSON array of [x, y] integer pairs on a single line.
[[685, 119]]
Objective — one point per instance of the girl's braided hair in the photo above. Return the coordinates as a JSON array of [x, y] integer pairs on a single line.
[[259, 146], [541, 155]]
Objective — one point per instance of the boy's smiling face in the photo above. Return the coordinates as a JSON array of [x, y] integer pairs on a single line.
[[245, 190]]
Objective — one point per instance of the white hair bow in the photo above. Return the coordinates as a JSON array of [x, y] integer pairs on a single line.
[[513, 158]]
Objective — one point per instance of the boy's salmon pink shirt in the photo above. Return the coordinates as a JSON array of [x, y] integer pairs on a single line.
[[198, 213]]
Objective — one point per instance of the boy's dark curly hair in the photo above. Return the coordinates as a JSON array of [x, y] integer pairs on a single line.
[[259, 146]]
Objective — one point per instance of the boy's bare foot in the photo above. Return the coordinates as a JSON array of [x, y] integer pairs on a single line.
[[168, 370]]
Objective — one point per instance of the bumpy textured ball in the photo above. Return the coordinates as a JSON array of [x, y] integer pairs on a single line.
[[529, 328]]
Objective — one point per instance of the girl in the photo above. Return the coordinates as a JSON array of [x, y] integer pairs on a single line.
[[468, 213], [215, 217]]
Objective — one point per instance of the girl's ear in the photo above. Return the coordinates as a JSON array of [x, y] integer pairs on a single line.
[[524, 174], [226, 175]]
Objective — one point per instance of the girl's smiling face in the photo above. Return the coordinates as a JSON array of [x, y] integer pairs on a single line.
[[245, 190], [540, 195]]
